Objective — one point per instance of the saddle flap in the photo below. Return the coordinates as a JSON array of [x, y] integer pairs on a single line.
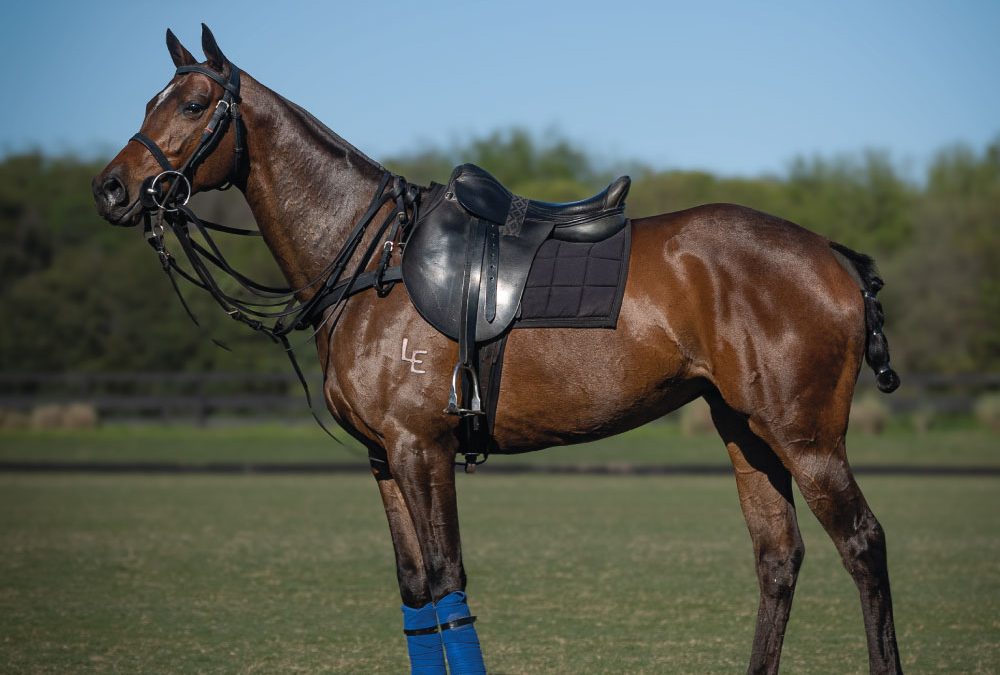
[[480, 193], [437, 252]]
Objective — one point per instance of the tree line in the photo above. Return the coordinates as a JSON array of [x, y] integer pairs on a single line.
[[81, 295]]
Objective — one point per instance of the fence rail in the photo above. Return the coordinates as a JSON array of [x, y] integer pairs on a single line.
[[163, 395], [202, 395]]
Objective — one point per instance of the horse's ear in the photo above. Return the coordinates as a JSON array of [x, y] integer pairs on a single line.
[[180, 55], [216, 59]]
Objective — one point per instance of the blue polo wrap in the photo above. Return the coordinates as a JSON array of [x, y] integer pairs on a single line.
[[461, 643], [423, 640]]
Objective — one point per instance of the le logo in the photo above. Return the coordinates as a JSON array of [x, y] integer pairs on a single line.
[[413, 360]]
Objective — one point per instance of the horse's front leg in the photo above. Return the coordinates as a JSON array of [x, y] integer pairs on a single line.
[[423, 481], [420, 623]]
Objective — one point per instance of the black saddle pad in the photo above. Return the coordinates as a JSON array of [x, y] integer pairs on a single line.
[[577, 285]]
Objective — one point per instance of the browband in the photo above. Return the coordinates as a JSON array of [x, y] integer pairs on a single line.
[[232, 85]]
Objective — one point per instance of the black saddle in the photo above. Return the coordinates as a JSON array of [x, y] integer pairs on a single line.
[[467, 257], [588, 220]]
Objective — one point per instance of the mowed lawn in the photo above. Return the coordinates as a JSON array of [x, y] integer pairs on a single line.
[[568, 574], [653, 444]]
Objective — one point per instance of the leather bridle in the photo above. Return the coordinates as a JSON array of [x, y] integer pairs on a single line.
[[227, 110], [167, 211]]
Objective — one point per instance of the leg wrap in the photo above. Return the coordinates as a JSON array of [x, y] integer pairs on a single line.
[[459, 634], [423, 640]]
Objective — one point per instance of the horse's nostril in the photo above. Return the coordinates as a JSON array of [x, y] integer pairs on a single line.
[[114, 191]]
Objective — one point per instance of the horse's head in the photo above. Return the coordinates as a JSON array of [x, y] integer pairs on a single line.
[[187, 142]]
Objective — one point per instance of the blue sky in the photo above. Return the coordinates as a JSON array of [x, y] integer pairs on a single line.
[[733, 87]]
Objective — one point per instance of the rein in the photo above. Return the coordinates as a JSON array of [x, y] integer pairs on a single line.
[[276, 311]]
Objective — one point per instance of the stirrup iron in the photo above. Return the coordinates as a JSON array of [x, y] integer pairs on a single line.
[[477, 407]]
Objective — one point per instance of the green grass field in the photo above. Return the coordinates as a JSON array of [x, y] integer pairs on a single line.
[[657, 443], [294, 574]]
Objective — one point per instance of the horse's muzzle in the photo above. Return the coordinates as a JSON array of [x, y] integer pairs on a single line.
[[112, 199]]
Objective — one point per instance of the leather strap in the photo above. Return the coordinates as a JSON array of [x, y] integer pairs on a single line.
[[456, 623], [362, 282], [411, 632], [470, 296], [492, 264], [232, 85], [154, 150]]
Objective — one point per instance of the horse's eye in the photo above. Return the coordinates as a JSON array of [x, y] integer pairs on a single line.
[[193, 109]]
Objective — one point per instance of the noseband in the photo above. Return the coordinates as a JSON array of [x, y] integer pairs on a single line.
[[227, 110]]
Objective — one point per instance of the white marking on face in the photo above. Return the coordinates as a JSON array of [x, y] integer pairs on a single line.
[[163, 95], [413, 360]]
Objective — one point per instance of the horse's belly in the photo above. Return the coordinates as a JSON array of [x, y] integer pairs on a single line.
[[562, 386]]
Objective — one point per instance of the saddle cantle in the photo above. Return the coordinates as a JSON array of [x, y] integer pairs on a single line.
[[467, 257]]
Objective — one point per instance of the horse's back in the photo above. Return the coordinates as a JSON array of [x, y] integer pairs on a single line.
[[742, 264]]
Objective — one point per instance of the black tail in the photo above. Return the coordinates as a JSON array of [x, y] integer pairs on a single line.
[[876, 345]]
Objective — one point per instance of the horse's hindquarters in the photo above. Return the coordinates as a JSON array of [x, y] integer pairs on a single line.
[[719, 296]]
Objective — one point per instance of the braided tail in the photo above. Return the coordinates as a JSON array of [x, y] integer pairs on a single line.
[[876, 344]]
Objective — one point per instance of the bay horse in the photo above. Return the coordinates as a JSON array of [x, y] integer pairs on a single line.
[[766, 320]]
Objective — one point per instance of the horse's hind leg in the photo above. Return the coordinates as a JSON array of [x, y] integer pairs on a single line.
[[765, 488], [811, 445], [828, 485]]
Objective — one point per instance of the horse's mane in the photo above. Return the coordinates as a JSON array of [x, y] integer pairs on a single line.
[[333, 141]]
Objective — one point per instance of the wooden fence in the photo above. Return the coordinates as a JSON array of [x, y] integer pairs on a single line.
[[200, 396], [196, 396]]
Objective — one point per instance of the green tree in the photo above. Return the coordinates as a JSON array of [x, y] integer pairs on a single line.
[[551, 169], [945, 286], [87, 296]]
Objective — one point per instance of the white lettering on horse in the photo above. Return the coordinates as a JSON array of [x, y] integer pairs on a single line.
[[413, 360]]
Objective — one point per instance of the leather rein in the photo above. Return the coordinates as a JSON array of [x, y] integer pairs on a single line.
[[275, 311]]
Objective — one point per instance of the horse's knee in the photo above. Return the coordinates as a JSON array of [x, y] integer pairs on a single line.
[[778, 569], [445, 578], [413, 587]]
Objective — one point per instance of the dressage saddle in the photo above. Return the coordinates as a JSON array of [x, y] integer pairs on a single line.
[[469, 253]]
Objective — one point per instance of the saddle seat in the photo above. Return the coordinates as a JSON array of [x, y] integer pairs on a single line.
[[588, 220]]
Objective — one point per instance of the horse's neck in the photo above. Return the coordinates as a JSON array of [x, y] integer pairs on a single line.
[[306, 186]]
